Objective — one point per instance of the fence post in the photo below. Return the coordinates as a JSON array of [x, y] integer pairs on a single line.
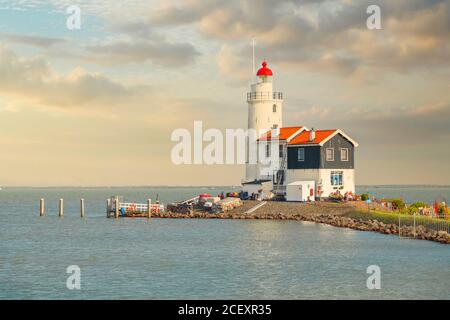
[[116, 203], [149, 208], [42, 207], [414, 224], [399, 227], [82, 208], [61, 207]]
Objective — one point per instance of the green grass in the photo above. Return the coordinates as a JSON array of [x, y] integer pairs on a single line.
[[392, 217]]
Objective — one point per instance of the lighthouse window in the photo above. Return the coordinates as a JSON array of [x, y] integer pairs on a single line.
[[274, 108]]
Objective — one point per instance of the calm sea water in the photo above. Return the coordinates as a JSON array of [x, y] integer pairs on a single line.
[[204, 259]]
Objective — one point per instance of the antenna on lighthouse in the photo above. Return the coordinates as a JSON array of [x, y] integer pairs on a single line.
[[253, 61]]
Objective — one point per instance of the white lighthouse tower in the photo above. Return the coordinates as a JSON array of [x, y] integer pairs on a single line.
[[265, 112]]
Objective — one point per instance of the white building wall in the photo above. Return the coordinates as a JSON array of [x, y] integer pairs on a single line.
[[348, 181], [322, 178], [293, 175]]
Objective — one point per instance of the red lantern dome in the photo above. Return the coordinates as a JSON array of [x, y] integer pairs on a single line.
[[264, 71]]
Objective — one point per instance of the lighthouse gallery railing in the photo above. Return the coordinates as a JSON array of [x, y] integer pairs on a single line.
[[264, 95]]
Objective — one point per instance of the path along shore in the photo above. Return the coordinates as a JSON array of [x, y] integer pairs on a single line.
[[344, 215]]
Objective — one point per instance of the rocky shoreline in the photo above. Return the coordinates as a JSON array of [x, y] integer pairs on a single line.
[[334, 216]]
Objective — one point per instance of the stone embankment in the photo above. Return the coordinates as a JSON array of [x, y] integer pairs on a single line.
[[327, 213]]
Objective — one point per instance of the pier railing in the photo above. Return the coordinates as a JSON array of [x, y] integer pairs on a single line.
[[139, 207], [116, 206], [437, 222]]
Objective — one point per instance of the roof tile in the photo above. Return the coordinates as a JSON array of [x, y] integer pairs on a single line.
[[285, 133], [303, 138]]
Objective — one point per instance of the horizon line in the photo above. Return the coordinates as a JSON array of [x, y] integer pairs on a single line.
[[200, 186]]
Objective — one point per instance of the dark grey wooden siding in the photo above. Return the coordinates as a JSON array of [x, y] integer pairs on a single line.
[[315, 156], [312, 158], [337, 143]]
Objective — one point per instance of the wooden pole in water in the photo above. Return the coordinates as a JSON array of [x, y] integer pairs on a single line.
[[116, 206], [149, 208], [42, 207], [82, 208], [108, 207], [61, 207]]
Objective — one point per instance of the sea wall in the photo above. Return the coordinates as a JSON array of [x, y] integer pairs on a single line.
[[331, 215]]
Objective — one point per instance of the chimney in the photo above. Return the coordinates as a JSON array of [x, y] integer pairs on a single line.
[[312, 135]]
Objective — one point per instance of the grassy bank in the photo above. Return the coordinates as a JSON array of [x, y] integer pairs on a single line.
[[392, 218]]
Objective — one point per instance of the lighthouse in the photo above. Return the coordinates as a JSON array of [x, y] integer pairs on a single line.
[[265, 112], [312, 164]]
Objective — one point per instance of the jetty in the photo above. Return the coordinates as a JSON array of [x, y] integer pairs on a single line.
[[117, 207], [205, 203]]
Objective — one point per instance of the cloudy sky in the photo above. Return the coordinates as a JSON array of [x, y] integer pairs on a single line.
[[97, 106]]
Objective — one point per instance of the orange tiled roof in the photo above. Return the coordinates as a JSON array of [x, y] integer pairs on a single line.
[[285, 133], [303, 138]]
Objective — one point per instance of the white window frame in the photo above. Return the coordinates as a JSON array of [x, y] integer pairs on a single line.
[[333, 173], [301, 159], [346, 153], [332, 154]]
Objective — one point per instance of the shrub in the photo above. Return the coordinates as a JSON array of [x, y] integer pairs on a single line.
[[419, 205], [364, 197], [414, 207], [443, 209], [410, 210], [397, 204], [406, 211]]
